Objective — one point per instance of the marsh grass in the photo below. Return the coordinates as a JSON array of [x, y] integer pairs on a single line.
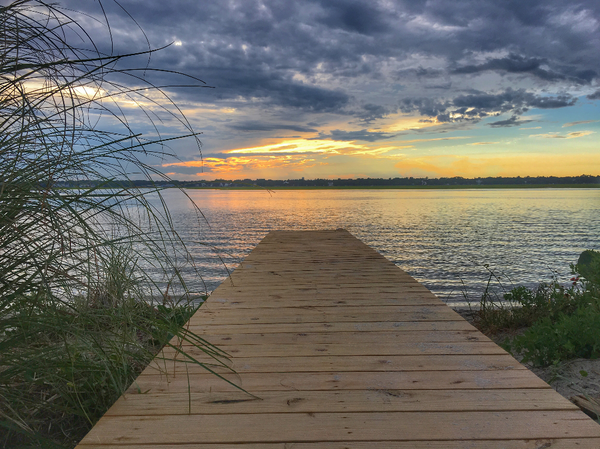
[[91, 283]]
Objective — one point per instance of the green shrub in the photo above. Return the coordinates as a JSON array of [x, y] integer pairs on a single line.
[[588, 266], [562, 322], [568, 336], [521, 307], [587, 272]]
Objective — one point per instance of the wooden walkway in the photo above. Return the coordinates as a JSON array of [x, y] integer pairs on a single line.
[[345, 350]]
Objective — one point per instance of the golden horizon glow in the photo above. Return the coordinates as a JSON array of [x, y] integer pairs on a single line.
[[472, 154], [510, 165], [472, 166]]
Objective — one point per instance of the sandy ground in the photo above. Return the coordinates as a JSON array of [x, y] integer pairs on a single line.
[[579, 377]]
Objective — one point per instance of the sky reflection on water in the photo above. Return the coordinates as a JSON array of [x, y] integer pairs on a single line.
[[441, 237]]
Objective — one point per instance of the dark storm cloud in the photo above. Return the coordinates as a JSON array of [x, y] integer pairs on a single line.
[[371, 112], [272, 89], [512, 100], [309, 98], [479, 105], [320, 56], [511, 64], [346, 136], [354, 16], [428, 73], [426, 106], [534, 66]]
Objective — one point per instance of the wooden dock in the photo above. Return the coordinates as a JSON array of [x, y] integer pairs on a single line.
[[344, 350]]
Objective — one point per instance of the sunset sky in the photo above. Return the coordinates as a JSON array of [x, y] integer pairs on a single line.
[[364, 88]]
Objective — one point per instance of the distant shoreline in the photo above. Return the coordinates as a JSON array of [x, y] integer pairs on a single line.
[[419, 187]]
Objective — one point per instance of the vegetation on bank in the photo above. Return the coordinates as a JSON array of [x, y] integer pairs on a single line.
[[583, 181], [561, 322], [91, 283], [415, 187]]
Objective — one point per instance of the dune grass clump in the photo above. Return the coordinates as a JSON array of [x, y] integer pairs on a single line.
[[90, 269]]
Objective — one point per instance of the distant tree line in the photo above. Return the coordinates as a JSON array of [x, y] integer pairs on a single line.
[[359, 182]]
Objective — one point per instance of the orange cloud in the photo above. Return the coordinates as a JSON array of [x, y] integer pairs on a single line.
[[237, 167], [301, 146]]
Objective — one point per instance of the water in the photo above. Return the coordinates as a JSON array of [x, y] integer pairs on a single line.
[[443, 238]]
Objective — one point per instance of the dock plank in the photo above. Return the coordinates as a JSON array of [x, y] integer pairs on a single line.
[[365, 338], [376, 400], [319, 427], [340, 349], [152, 381], [544, 443], [326, 363]]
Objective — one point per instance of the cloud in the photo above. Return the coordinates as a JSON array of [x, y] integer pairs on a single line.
[[572, 135], [309, 98], [293, 67], [371, 112], [266, 126], [512, 64], [513, 121], [484, 143], [594, 96], [348, 136], [299, 146], [353, 16], [511, 100], [428, 107], [582, 122], [534, 66], [237, 167], [479, 105], [435, 139], [255, 49]]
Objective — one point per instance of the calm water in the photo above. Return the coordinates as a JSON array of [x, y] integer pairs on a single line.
[[441, 237]]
